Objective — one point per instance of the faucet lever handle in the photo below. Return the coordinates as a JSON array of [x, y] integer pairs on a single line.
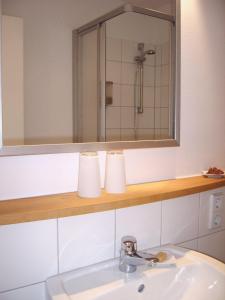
[[129, 244]]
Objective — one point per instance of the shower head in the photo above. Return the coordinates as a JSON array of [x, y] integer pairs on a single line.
[[141, 57]]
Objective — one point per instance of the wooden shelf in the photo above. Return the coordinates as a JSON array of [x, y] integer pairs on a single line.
[[69, 204]]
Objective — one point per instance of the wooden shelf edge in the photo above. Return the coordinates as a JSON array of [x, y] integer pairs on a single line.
[[69, 204]]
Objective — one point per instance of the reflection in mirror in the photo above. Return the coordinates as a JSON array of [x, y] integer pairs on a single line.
[[138, 62], [110, 82]]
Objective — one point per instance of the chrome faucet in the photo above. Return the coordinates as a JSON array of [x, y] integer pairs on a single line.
[[130, 258]]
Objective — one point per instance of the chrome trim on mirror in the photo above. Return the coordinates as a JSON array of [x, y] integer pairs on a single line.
[[83, 147]]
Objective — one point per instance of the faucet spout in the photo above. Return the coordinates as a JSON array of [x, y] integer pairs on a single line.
[[130, 258]]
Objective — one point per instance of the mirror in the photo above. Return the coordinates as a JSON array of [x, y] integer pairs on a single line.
[[110, 80]]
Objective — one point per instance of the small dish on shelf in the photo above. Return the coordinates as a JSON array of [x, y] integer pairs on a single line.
[[211, 175]]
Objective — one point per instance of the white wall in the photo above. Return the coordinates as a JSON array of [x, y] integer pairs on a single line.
[[202, 86], [1, 135], [12, 81], [48, 26]]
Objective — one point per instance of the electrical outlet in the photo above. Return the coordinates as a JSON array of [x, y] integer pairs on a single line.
[[215, 210]]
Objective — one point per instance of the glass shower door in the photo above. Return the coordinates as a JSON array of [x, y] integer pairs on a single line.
[[90, 118]]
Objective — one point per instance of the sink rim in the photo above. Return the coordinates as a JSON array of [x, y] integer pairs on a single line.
[[57, 284]]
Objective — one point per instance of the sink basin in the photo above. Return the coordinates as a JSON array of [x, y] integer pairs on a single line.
[[194, 277]]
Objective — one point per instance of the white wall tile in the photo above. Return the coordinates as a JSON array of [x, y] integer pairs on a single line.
[[164, 134], [32, 292], [113, 117], [164, 118], [129, 51], [112, 135], [192, 245], [158, 76], [127, 95], [162, 75], [113, 49], [180, 219], [145, 134], [113, 71], [116, 95], [165, 79], [149, 75], [157, 134], [28, 253], [162, 96], [127, 117], [213, 245], [146, 119], [86, 239], [204, 212], [127, 134], [164, 99], [142, 221], [148, 96], [158, 55], [157, 96], [157, 118], [128, 73], [166, 53]]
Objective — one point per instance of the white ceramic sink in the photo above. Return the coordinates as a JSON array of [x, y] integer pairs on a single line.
[[195, 277]]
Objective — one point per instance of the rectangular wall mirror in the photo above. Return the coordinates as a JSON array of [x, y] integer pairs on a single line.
[[89, 75]]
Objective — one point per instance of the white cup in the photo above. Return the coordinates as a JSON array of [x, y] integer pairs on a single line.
[[115, 177], [89, 175]]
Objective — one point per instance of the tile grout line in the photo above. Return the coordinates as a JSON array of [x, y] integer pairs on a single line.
[[161, 221], [21, 287], [57, 245], [199, 212], [115, 233], [205, 235], [211, 233], [121, 55]]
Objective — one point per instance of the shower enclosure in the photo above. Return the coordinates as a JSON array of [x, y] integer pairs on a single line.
[[124, 65]]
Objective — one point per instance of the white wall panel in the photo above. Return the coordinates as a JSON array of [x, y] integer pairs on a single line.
[[180, 219], [213, 245], [28, 253], [86, 239], [141, 221]]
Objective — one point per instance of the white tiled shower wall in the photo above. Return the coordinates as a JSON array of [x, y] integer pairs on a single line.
[[31, 252], [121, 116]]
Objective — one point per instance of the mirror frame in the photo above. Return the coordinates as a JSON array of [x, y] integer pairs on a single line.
[[105, 146]]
